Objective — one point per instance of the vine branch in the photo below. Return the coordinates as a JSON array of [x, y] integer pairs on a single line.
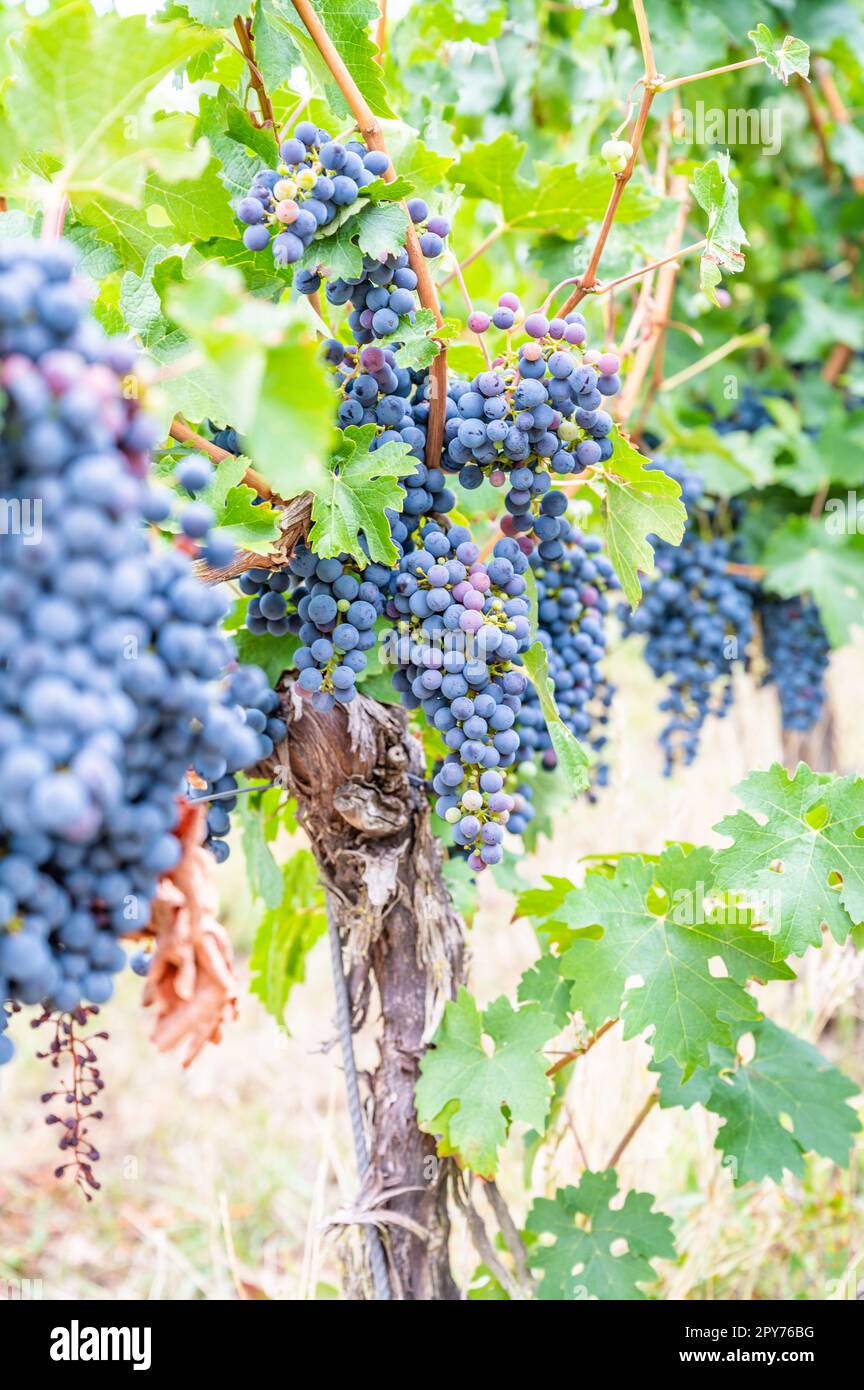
[[243, 30], [184, 434], [580, 1051], [371, 131], [632, 1129], [675, 82], [587, 280]]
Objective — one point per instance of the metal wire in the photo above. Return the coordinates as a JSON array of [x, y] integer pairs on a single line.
[[377, 1259]]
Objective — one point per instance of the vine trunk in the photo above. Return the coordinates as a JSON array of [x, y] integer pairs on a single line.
[[358, 777]]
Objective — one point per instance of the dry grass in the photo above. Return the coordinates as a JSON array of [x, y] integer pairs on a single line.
[[216, 1181]]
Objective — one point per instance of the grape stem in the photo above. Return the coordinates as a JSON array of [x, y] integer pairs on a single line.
[[370, 129], [817, 121], [649, 89], [633, 1128], [740, 340], [243, 30], [568, 1057], [460, 280], [746, 571], [54, 213], [835, 105], [381, 31], [674, 82], [654, 265], [650, 349]]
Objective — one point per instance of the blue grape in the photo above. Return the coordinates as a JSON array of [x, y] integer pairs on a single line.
[[112, 684]]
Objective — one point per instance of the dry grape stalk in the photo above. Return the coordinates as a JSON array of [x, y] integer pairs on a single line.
[[77, 1089]]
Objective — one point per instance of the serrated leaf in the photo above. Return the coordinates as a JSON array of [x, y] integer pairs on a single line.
[[274, 655], [542, 985], [267, 364], [425, 169], [275, 51], [639, 502], [803, 857], [791, 56], [581, 1264], [658, 926], [215, 14], [361, 486], [462, 1090], [347, 23], [787, 1101], [224, 122], [96, 257], [803, 556], [417, 345], [339, 253], [196, 209], [287, 933], [572, 758], [79, 101], [251, 524], [564, 198], [124, 228], [717, 196], [381, 229], [539, 904]]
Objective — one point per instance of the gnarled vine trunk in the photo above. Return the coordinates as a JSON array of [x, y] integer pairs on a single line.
[[358, 777]]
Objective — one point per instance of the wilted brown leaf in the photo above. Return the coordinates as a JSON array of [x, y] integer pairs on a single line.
[[191, 981]]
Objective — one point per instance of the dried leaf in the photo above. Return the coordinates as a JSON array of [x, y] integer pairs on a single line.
[[191, 981]]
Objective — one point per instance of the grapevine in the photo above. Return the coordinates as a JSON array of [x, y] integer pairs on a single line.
[[338, 452]]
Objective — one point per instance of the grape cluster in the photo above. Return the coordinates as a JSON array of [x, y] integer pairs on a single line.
[[374, 390], [383, 295], [530, 416], [316, 180], [698, 620], [750, 414], [246, 690], [572, 597], [110, 653], [797, 651], [194, 473], [461, 624], [332, 606]]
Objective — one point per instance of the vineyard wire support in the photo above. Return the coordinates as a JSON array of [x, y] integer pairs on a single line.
[[377, 1259]]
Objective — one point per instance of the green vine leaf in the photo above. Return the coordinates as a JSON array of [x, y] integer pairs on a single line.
[[267, 371], [580, 1264], [287, 933], [786, 1077], [717, 196], [564, 198], [802, 556], [77, 106], [347, 23], [468, 1097], [660, 924], [572, 758], [361, 487], [262, 871], [639, 502], [803, 856], [784, 59]]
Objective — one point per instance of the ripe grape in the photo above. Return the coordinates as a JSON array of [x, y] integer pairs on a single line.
[[111, 657]]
